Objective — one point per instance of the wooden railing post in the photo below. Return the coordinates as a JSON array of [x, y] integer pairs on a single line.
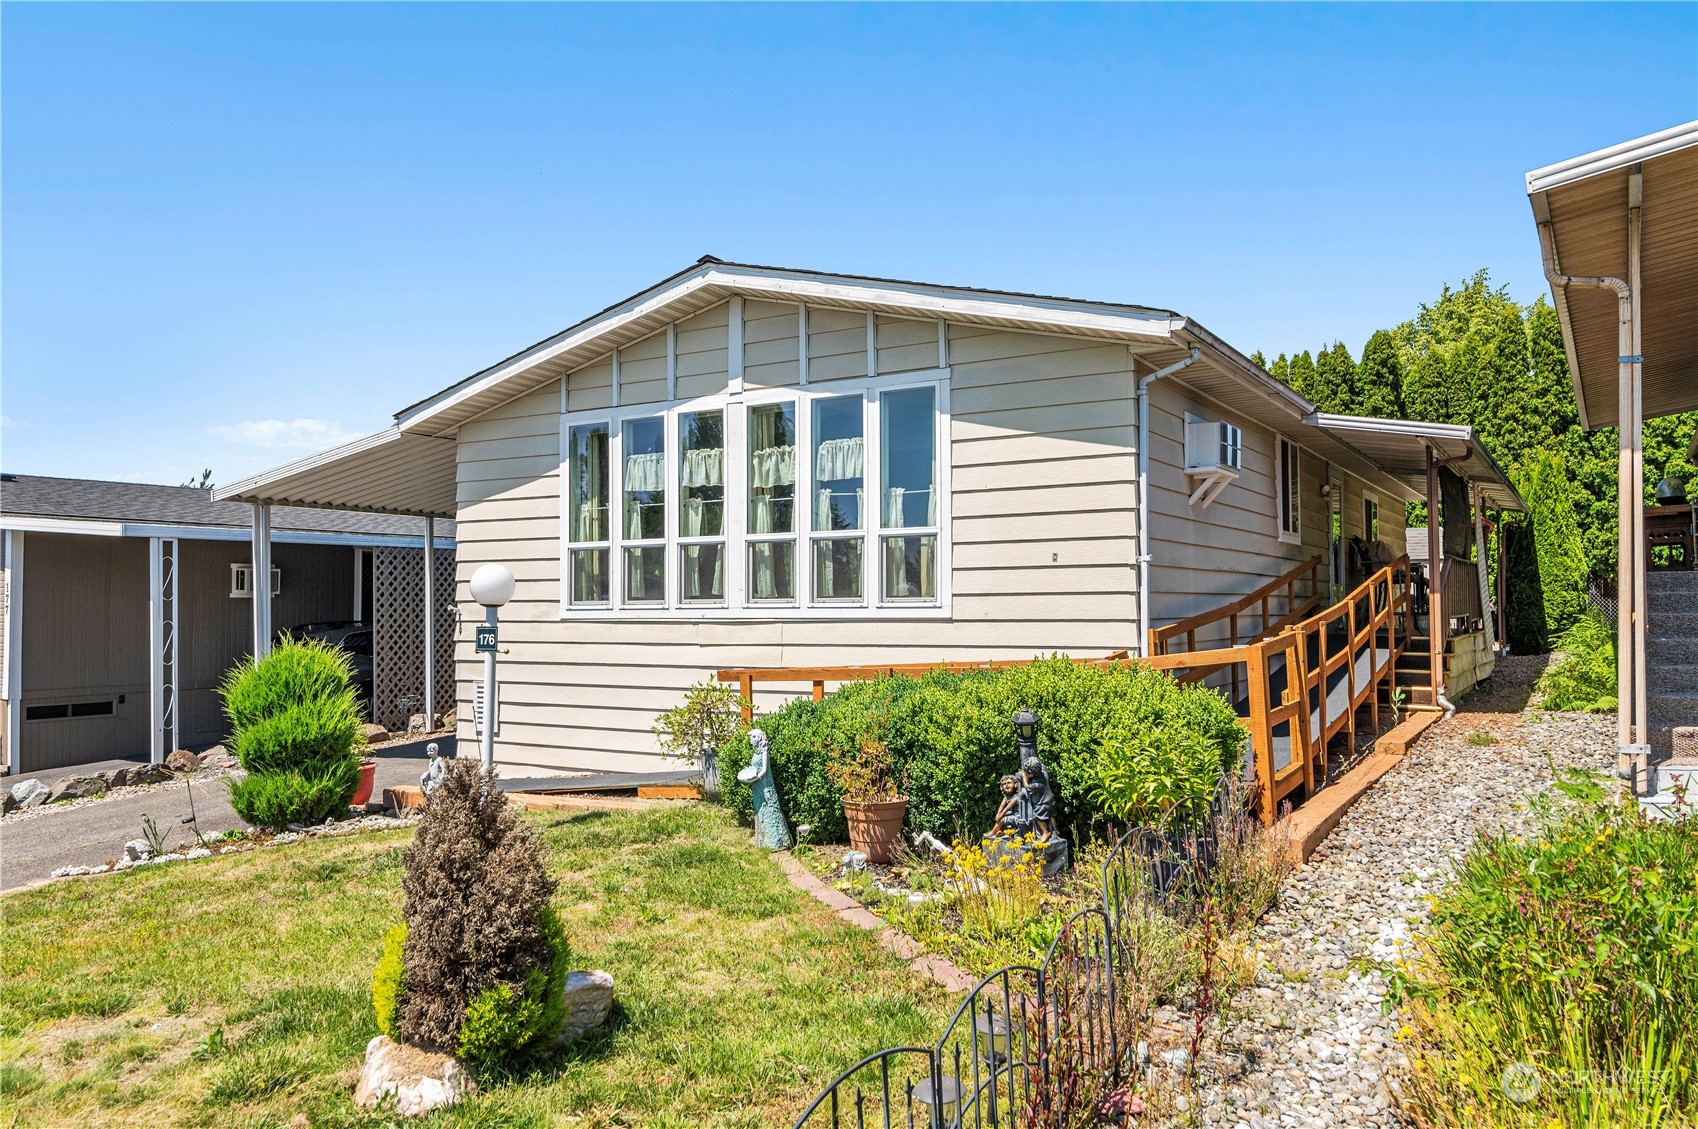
[[746, 690], [1261, 730]]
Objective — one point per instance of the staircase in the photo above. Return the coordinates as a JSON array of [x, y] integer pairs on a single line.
[[1671, 685]]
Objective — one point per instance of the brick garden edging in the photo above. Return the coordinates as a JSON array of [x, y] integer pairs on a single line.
[[947, 974]]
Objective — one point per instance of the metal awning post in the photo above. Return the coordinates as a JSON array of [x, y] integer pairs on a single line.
[[1633, 734], [262, 580], [14, 670], [430, 623], [1437, 629]]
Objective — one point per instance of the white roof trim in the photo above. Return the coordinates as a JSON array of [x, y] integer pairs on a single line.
[[1419, 429], [918, 299], [1616, 157], [235, 490], [25, 523]]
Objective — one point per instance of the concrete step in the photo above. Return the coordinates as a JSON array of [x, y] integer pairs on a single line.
[[1671, 679], [1671, 652], [1674, 790], [1671, 582], [1668, 710], [1672, 625]]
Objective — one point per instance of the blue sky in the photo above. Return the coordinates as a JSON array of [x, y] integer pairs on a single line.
[[234, 234]]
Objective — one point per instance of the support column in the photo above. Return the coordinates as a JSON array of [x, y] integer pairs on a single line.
[[262, 580], [1641, 722], [430, 623], [162, 555], [14, 657], [1437, 629]]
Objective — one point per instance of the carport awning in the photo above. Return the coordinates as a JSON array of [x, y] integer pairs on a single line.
[[1399, 446], [390, 472]]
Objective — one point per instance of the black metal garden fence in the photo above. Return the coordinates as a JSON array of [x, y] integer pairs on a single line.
[[1029, 1042]]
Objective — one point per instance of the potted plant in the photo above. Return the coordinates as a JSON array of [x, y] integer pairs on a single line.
[[368, 776], [710, 715], [873, 804]]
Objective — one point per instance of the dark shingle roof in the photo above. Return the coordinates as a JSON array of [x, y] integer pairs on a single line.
[[144, 503]]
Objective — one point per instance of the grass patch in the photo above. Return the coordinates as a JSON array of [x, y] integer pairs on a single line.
[[738, 996]]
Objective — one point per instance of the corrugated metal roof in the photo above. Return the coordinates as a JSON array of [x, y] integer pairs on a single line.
[[139, 503]]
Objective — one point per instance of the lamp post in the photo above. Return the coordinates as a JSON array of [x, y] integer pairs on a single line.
[[492, 586], [1026, 733]]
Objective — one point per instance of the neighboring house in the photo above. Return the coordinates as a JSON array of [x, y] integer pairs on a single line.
[[754, 467], [125, 604]]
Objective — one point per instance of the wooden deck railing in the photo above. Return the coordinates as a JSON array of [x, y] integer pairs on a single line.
[[1258, 604]]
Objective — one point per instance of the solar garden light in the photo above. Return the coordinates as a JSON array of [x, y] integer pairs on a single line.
[[1026, 730], [492, 586]]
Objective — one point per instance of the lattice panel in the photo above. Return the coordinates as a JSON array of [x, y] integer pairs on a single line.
[[398, 634]]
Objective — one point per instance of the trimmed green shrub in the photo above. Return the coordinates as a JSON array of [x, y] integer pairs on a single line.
[[951, 737], [296, 728], [1583, 677], [389, 981], [1559, 557], [502, 1024]]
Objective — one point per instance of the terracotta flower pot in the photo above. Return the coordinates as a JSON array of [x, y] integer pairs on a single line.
[[368, 773], [875, 827]]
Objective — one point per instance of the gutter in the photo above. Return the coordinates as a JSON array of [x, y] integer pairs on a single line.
[[1144, 555]]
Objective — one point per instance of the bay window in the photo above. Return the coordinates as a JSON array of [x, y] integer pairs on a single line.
[[818, 502]]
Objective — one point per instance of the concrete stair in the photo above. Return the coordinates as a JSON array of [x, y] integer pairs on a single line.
[[1671, 655]]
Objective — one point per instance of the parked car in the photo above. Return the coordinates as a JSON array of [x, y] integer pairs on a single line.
[[354, 637]]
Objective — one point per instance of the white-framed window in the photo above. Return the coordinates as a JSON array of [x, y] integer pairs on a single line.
[[823, 501], [1370, 517], [242, 581], [1288, 489]]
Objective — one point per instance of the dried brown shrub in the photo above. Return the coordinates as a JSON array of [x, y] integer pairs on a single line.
[[473, 885]]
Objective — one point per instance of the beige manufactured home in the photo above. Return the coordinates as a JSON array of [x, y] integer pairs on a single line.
[[744, 466]]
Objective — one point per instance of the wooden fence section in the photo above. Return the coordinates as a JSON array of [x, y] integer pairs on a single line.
[[746, 677], [1257, 606]]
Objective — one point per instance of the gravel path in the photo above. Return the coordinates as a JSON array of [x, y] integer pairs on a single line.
[[1308, 1042]]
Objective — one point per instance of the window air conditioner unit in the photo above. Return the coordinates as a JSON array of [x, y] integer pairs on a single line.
[[1214, 454]]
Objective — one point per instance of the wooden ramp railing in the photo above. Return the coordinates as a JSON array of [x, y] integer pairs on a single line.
[[1307, 681]]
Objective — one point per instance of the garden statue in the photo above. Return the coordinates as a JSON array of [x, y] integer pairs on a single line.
[[432, 776], [1028, 805], [771, 831]]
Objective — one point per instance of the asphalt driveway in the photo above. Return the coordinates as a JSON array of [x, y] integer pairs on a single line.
[[33, 848]]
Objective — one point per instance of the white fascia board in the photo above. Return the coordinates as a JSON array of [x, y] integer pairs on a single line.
[[913, 299], [1414, 428], [1612, 159], [283, 536], [24, 523]]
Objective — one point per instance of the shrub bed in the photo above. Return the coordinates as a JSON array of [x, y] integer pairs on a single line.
[[1565, 960], [1121, 743], [1583, 675]]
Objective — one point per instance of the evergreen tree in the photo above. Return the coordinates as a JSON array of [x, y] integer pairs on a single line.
[[1379, 378], [1302, 378], [1543, 482], [1281, 369], [1258, 360], [1335, 380]]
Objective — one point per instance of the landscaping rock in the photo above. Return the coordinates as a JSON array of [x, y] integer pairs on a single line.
[[76, 787], [149, 774], [30, 793], [137, 850], [115, 778], [416, 723], [182, 761], [7, 804], [589, 1000], [451, 719], [420, 1080], [375, 734]]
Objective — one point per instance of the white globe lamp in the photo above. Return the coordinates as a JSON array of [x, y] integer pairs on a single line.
[[493, 585]]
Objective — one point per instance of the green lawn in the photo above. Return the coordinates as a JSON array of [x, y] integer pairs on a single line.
[[737, 997]]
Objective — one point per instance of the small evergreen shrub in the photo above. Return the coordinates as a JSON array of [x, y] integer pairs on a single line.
[[1583, 677], [296, 729], [483, 958], [1558, 563], [951, 737]]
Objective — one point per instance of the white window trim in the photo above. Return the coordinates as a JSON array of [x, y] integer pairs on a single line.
[[1368, 534], [1283, 491], [241, 581], [738, 605]]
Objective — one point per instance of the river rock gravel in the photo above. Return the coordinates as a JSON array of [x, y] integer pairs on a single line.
[[1309, 1042]]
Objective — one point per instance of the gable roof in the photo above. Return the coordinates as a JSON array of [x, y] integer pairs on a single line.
[[711, 281], [140, 503]]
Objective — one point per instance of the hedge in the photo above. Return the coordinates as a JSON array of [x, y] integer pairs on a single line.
[[951, 736]]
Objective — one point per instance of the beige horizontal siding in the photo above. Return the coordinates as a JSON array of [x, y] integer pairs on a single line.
[[1043, 528]]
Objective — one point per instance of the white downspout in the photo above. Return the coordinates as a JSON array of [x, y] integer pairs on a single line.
[[1143, 647]]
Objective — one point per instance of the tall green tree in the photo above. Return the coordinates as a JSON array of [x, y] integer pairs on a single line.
[[1281, 369], [1543, 483], [1302, 378], [1379, 378], [1335, 386]]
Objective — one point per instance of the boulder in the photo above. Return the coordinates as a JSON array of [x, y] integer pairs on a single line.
[[416, 723], [149, 774], [182, 761], [76, 787], [7, 804], [375, 734], [451, 719], [137, 850], [589, 1000], [30, 793], [420, 1080], [116, 778]]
